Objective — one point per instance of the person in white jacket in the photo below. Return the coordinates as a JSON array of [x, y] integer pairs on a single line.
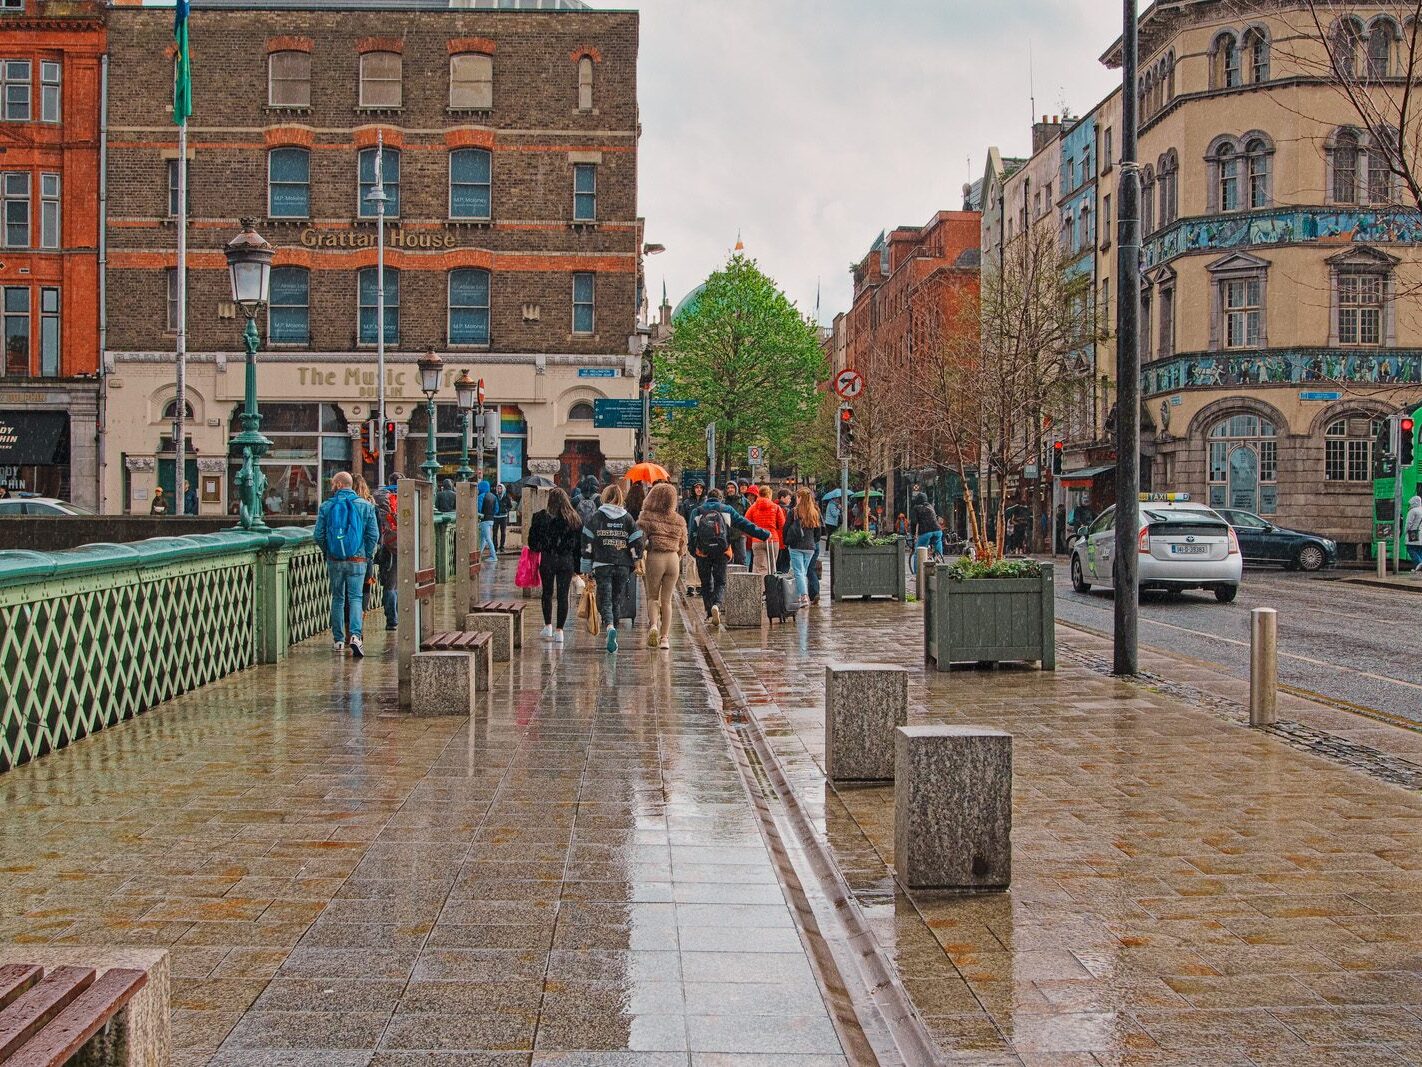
[[1414, 532]]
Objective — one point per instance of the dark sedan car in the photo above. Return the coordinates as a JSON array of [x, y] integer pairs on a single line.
[[1260, 541]]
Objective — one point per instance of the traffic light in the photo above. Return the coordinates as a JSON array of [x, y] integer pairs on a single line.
[[647, 373], [372, 436], [1057, 448], [1406, 435], [390, 438], [846, 432]]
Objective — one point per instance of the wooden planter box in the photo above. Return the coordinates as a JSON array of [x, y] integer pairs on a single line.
[[867, 570], [989, 620]]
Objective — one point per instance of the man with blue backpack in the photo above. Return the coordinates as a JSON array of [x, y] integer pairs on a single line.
[[346, 532]]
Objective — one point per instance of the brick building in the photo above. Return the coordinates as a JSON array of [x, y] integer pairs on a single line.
[[513, 243], [51, 68]]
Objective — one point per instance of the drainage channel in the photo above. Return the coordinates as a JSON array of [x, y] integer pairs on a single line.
[[870, 1008]]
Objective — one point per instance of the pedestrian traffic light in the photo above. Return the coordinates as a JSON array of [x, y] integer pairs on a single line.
[[1057, 448], [390, 438], [846, 431], [1406, 427]]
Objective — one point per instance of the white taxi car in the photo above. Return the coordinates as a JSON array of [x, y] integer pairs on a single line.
[[1182, 545]]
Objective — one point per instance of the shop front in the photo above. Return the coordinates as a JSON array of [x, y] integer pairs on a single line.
[[34, 452]]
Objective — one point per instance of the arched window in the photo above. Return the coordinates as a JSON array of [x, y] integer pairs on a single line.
[[1170, 75], [380, 79], [1381, 35], [1227, 164], [1347, 37], [289, 306], [1256, 48], [468, 307], [368, 310], [1149, 96], [1256, 153], [1244, 464], [390, 175], [1348, 448], [1382, 152], [582, 411], [170, 410], [1346, 153], [1148, 200], [585, 83], [1226, 72], [469, 183], [289, 183], [471, 81]]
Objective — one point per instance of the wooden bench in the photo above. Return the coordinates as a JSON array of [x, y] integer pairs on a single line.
[[454, 641], [508, 607], [47, 1018]]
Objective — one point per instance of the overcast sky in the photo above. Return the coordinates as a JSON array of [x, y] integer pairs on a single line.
[[811, 125]]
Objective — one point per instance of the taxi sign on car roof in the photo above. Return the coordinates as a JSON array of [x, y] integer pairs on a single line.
[[1165, 498]]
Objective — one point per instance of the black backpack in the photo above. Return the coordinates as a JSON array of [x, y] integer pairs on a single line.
[[712, 534]]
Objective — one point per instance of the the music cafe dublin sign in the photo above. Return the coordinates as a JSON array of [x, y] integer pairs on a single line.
[[395, 237]]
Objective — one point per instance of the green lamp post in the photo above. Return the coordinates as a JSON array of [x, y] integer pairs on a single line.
[[431, 371], [466, 393], [249, 262]]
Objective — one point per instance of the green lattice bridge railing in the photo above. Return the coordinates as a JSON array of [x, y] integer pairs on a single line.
[[95, 635]]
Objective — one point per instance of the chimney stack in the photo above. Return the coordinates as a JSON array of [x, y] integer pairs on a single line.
[[1045, 132]]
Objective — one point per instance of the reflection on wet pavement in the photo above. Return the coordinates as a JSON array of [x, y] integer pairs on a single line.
[[1186, 891], [572, 876]]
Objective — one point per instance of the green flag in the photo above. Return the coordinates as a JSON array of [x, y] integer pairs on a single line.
[[182, 68]]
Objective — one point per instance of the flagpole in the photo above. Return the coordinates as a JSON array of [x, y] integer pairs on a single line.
[[378, 195], [182, 106]]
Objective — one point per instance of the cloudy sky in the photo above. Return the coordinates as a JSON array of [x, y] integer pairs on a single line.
[[811, 125]]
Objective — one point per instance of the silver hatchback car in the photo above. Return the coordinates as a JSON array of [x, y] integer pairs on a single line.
[[1182, 545]]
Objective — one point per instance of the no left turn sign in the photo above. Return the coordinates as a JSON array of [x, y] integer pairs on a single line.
[[849, 384]]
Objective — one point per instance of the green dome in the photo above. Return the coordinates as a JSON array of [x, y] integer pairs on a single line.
[[689, 302]]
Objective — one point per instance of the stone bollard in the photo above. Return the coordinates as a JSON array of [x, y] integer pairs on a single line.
[[1382, 559], [443, 683], [745, 599], [1263, 667], [953, 807], [500, 625], [864, 703], [920, 578]]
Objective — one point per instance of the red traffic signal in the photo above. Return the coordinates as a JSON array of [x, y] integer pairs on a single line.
[[389, 438], [1405, 440]]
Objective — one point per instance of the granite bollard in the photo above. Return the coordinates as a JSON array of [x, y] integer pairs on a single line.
[[444, 683], [953, 808], [745, 599], [500, 626], [864, 703]]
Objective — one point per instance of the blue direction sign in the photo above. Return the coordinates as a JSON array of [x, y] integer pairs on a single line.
[[617, 414], [676, 403], [597, 372]]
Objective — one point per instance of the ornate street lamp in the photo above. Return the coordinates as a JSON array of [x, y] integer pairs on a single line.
[[249, 262], [431, 371], [466, 393]]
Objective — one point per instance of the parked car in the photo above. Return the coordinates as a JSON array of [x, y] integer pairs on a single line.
[[40, 505], [1262, 542], [1182, 545]]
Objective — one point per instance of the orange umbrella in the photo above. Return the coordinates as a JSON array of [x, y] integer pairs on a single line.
[[648, 472]]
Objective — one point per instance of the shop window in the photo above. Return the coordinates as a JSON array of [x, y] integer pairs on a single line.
[[390, 175], [513, 443], [584, 192], [1348, 448], [289, 183], [49, 332], [468, 307], [49, 211], [15, 191], [17, 331], [469, 183], [50, 110], [585, 83], [1244, 464], [471, 82], [289, 310], [289, 79], [12, 5], [380, 80], [368, 310], [584, 302], [15, 90], [310, 443]]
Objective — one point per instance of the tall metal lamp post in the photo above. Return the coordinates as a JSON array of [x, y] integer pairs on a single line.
[[431, 371], [466, 395], [249, 262]]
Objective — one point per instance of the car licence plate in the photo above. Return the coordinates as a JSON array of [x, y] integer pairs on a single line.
[[1189, 550]]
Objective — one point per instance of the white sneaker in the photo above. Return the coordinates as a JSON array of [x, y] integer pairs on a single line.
[[547, 632], [715, 615], [357, 648], [558, 637], [339, 646]]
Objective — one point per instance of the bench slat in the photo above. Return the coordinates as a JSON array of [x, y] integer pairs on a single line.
[[20, 1021], [455, 641], [16, 978], [71, 1028]]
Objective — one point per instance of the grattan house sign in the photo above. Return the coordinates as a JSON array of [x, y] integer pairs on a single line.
[[395, 237]]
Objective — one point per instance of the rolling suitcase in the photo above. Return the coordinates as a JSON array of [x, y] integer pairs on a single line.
[[779, 595]]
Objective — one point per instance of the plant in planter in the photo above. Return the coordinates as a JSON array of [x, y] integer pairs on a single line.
[[865, 565], [990, 612]]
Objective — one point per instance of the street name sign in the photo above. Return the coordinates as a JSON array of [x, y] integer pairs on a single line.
[[849, 384], [676, 403], [597, 372]]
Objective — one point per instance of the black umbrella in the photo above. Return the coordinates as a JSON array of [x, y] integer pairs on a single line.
[[535, 481]]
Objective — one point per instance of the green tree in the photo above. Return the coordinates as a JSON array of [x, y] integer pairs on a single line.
[[752, 360]]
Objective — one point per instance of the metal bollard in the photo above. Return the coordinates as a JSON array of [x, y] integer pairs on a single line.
[[1382, 559], [1263, 667]]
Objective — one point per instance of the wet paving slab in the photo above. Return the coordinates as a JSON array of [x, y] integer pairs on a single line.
[[1186, 890], [573, 875]]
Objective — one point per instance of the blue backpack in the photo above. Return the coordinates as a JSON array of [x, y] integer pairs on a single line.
[[345, 532]]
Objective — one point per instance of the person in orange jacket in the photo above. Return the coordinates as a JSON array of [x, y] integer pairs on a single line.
[[768, 515]]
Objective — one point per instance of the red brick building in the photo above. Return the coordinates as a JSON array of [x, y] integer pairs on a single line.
[[51, 84]]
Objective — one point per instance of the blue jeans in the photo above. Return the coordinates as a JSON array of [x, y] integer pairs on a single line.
[[800, 566], [347, 598], [1414, 553], [391, 608], [486, 538], [933, 539]]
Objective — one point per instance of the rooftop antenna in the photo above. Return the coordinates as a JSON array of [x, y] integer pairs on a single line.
[[1031, 82]]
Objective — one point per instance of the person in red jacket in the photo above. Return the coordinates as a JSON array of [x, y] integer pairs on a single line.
[[768, 515]]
